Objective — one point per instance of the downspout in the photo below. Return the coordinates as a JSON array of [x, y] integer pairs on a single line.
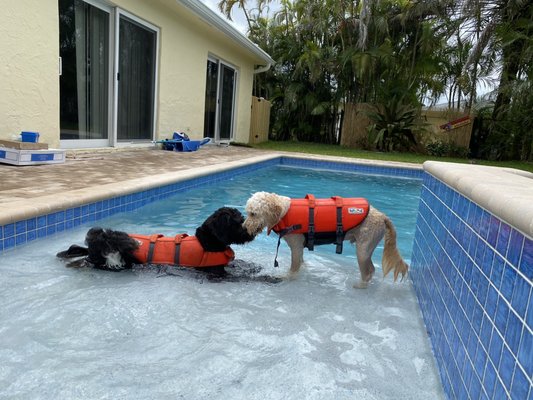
[[262, 68]]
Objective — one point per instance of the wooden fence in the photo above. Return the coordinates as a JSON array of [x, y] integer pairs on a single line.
[[354, 125], [260, 120], [446, 126]]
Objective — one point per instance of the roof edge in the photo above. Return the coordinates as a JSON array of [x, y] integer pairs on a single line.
[[212, 18]]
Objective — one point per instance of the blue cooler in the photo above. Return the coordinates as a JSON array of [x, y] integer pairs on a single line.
[[30, 137]]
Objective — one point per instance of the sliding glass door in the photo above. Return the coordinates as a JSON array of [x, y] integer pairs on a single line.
[[108, 75], [219, 101], [136, 80], [85, 73]]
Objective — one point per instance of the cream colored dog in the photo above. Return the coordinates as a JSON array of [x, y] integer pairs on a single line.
[[265, 210]]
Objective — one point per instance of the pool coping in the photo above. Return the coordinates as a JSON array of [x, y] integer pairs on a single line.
[[505, 192], [12, 212]]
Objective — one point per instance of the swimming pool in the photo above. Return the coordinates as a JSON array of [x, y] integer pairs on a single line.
[[94, 334]]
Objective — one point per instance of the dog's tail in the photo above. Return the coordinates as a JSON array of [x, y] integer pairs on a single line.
[[392, 260], [73, 251]]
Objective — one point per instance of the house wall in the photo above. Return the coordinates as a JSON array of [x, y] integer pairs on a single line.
[[29, 81], [29, 70], [185, 44], [472, 269]]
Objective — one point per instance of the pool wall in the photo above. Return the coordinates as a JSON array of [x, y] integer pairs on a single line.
[[472, 271], [28, 225]]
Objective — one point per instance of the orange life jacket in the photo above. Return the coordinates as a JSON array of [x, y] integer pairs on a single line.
[[323, 221], [182, 249]]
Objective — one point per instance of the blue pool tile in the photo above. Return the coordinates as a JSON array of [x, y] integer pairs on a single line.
[[9, 230], [514, 250], [20, 239], [513, 332], [489, 379], [41, 221], [497, 271], [31, 224], [508, 281], [475, 387], [520, 387], [50, 230], [51, 219], [31, 235], [494, 227], [480, 359], [69, 214], [503, 239], [526, 262], [495, 350], [20, 227], [1, 232], [9, 242], [502, 312], [77, 212], [41, 233], [525, 353], [486, 331], [521, 293], [1, 244], [484, 224], [506, 369], [491, 302], [499, 391]]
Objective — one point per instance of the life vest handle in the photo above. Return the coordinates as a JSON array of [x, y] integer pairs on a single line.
[[339, 203], [151, 246], [311, 225], [177, 240]]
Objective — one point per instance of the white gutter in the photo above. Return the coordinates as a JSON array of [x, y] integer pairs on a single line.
[[216, 20]]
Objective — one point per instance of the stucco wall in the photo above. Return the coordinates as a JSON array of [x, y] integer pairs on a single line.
[[29, 70], [29, 81]]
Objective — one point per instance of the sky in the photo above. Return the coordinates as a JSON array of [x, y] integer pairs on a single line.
[[239, 21]]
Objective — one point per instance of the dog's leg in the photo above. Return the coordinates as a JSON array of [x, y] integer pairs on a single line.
[[296, 244], [366, 237], [366, 268]]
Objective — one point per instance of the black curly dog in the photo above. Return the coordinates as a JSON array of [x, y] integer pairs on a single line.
[[219, 230]]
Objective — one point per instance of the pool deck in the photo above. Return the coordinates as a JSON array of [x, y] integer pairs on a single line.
[[92, 175]]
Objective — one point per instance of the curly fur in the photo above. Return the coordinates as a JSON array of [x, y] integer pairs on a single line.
[[265, 210], [222, 228], [113, 250]]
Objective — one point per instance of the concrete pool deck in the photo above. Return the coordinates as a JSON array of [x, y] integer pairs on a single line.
[[92, 175]]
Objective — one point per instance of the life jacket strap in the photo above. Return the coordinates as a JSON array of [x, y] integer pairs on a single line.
[[177, 241], [151, 247], [311, 226], [282, 233], [340, 230]]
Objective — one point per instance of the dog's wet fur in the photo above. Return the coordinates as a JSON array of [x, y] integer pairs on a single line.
[[113, 250]]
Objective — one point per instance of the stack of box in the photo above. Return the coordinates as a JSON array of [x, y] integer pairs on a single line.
[[29, 151]]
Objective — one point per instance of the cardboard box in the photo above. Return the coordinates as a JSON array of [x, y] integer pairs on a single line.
[[14, 144], [31, 157]]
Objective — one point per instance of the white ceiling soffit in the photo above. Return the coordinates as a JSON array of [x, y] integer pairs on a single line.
[[212, 18]]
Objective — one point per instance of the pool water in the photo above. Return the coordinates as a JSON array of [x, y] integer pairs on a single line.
[[146, 334]]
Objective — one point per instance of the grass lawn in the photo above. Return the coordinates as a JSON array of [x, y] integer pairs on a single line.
[[334, 150]]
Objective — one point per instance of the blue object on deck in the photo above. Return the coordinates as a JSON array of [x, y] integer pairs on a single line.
[[30, 137], [181, 142], [191, 145]]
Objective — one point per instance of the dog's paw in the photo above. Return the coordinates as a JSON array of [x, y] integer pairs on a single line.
[[360, 285]]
